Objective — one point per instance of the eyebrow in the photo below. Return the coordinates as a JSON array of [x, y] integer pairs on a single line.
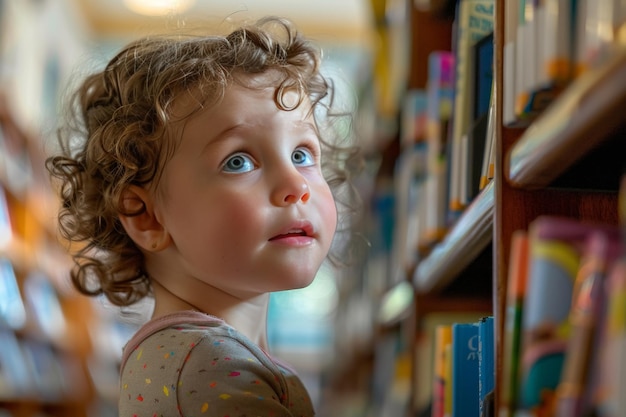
[[225, 133], [222, 136]]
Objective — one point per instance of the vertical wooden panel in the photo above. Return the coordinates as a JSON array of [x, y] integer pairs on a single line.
[[428, 33]]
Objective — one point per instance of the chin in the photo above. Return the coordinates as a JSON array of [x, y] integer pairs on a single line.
[[302, 281]]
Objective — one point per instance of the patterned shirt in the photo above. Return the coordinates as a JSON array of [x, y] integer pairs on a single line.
[[193, 365]]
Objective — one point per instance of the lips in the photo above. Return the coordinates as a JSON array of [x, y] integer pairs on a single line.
[[298, 229]]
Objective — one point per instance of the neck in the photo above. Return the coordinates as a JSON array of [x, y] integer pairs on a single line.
[[248, 316]]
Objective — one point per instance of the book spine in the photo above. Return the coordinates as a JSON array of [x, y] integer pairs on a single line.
[[511, 9], [440, 91], [443, 338], [449, 375], [608, 397], [553, 268], [474, 20], [588, 301], [465, 401], [516, 290], [486, 361]]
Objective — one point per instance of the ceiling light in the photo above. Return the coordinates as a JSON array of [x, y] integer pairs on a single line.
[[159, 7]]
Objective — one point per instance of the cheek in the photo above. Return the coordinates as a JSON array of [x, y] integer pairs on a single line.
[[235, 220], [328, 211]]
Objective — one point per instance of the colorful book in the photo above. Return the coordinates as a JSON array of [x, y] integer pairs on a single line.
[[516, 290], [464, 351], [430, 352], [443, 337], [555, 245], [447, 395], [440, 102], [608, 397], [573, 396]]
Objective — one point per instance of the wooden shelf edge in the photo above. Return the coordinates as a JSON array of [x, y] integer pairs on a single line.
[[468, 237], [581, 118]]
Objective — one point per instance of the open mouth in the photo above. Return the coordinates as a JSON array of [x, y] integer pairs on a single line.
[[291, 233]]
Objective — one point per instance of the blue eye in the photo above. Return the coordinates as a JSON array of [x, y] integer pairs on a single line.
[[302, 157], [239, 163]]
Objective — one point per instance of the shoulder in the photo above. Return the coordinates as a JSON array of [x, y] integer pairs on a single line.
[[195, 367], [229, 375]]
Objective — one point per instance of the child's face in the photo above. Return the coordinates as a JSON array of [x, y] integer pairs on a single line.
[[244, 199]]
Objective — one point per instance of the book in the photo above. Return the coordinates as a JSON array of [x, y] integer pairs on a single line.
[[443, 337], [573, 395], [608, 398], [44, 367], [547, 41], [449, 377], [44, 305], [553, 266], [486, 361], [511, 345], [15, 377], [474, 21], [482, 76], [478, 131], [464, 351], [509, 75], [6, 231], [414, 116], [599, 27], [440, 90], [476, 144], [556, 245], [431, 353], [486, 171], [410, 174], [12, 310]]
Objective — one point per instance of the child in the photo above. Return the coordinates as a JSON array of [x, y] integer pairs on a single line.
[[201, 180]]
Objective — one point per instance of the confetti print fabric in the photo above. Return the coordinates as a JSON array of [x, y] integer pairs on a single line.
[[193, 365]]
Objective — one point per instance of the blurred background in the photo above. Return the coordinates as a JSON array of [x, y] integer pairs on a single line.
[[61, 351]]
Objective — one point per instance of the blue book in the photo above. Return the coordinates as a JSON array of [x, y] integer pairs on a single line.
[[465, 401], [486, 359]]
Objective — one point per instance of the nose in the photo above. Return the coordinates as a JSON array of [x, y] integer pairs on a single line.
[[291, 189]]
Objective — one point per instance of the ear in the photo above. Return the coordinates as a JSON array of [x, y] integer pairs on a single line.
[[140, 221]]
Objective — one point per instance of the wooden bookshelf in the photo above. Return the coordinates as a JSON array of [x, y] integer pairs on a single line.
[[566, 162], [469, 236], [577, 124]]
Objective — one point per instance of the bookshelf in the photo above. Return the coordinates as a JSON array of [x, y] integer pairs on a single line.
[[579, 125], [567, 161], [464, 242], [44, 325]]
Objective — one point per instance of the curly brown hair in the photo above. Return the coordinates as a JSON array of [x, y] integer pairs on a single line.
[[117, 135]]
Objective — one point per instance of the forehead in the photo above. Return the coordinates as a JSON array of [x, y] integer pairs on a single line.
[[287, 93]]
